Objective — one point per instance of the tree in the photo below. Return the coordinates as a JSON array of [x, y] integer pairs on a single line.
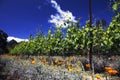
[[116, 5], [3, 42]]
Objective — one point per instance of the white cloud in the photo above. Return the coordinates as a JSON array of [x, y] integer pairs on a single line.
[[15, 38], [61, 17]]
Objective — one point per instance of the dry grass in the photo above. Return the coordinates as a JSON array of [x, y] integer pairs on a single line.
[[53, 68]]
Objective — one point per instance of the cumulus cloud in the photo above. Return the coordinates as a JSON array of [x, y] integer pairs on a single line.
[[62, 17], [15, 38]]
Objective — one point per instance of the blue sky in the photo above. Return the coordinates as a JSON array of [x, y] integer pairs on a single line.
[[20, 18]]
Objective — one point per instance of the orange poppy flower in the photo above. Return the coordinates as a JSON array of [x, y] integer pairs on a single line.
[[43, 60], [88, 65], [108, 68], [98, 76], [113, 72], [59, 63], [33, 62], [110, 71], [78, 70], [56, 61]]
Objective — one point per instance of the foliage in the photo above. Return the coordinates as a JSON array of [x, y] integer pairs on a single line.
[[3, 42], [76, 40], [114, 31], [116, 5]]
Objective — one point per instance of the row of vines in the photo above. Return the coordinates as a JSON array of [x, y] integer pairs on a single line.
[[74, 40]]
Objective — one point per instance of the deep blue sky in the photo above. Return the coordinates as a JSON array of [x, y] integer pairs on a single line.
[[20, 18]]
